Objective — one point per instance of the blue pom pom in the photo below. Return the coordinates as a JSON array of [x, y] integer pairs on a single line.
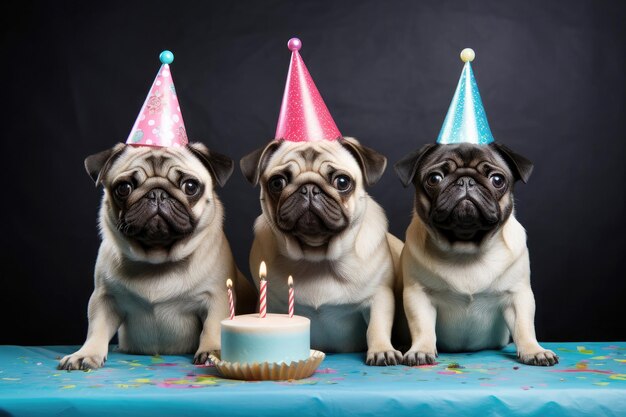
[[166, 57]]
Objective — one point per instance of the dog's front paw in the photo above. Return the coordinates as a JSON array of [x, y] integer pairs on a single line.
[[542, 357], [418, 357], [202, 358], [385, 358], [79, 361]]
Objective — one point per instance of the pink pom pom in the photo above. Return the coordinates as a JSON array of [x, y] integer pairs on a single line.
[[294, 44]]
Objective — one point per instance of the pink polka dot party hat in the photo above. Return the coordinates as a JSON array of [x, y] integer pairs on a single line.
[[160, 122], [303, 115]]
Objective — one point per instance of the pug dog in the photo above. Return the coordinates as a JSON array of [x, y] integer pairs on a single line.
[[163, 263], [465, 263], [319, 225]]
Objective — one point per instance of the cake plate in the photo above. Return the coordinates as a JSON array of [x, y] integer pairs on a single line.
[[267, 371]]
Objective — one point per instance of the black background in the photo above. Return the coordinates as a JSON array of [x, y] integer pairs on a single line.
[[551, 75]]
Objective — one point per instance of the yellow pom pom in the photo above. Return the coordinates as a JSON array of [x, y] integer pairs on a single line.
[[467, 55]]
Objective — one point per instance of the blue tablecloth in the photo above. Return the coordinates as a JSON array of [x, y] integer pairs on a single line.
[[590, 380]]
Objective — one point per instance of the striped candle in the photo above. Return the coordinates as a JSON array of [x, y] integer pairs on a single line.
[[263, 291], [291, 295], [231, 303]]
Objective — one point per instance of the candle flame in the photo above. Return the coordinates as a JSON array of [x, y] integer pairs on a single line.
[[262, 270], [290, 281], [229, 283]]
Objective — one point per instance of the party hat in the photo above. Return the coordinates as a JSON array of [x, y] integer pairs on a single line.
[[160, 122], [466, 121], [303, 115]]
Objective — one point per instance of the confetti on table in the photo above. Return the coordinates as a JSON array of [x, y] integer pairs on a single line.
[[474, 376]]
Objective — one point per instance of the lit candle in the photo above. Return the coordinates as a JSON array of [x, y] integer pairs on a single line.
[[291, 295], [231, 303], [263, 291]]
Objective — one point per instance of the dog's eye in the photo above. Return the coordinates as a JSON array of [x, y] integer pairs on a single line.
[[191, 187], [497, 180], [277, 183], [342, 182], [123, 189], [434, 179]]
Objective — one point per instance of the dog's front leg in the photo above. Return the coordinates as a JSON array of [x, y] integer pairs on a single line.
[[380, 351], [520, 316], [104, 321], [210, 338], [422, 316]]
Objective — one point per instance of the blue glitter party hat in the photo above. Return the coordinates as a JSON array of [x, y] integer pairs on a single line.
[[466, 121]]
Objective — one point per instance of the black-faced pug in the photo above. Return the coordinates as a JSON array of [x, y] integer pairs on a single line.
[[320, 225], [465, 263], [163, 263]]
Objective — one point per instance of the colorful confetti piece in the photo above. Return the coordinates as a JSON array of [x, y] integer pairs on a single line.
[[326, 371], [126, 386], [143, 380]]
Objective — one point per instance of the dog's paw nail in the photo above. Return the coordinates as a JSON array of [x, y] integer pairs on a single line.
[[385, 358], [202, 358], [540, 358], [80, 363], [417, 358]]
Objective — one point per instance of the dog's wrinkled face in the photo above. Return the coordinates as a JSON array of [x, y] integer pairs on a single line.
[[309, 195], [463, 192], [157, 199], [311, 191]]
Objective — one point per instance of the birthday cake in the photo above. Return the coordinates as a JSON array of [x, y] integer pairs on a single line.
[[276, 338]]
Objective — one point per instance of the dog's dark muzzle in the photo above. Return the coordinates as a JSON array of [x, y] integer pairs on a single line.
[[157, 219], [311, 212], [465, 208]]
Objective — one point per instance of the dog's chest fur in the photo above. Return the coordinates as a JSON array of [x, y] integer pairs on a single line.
[[162, 325], [470, 292], [161, 313], [333, 295]]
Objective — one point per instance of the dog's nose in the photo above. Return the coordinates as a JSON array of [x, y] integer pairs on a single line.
[[158, 195], [467, 182], [310, 190]]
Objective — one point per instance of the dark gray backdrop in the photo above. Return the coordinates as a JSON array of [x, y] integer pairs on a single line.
[[551, 74]]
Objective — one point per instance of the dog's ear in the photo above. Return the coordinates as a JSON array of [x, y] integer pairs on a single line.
[[372, 163], [97, 165], [255, 162], [519, 165], [220, 166], [406, 168]]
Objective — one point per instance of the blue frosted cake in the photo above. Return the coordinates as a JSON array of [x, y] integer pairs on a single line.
[[276, 338]]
